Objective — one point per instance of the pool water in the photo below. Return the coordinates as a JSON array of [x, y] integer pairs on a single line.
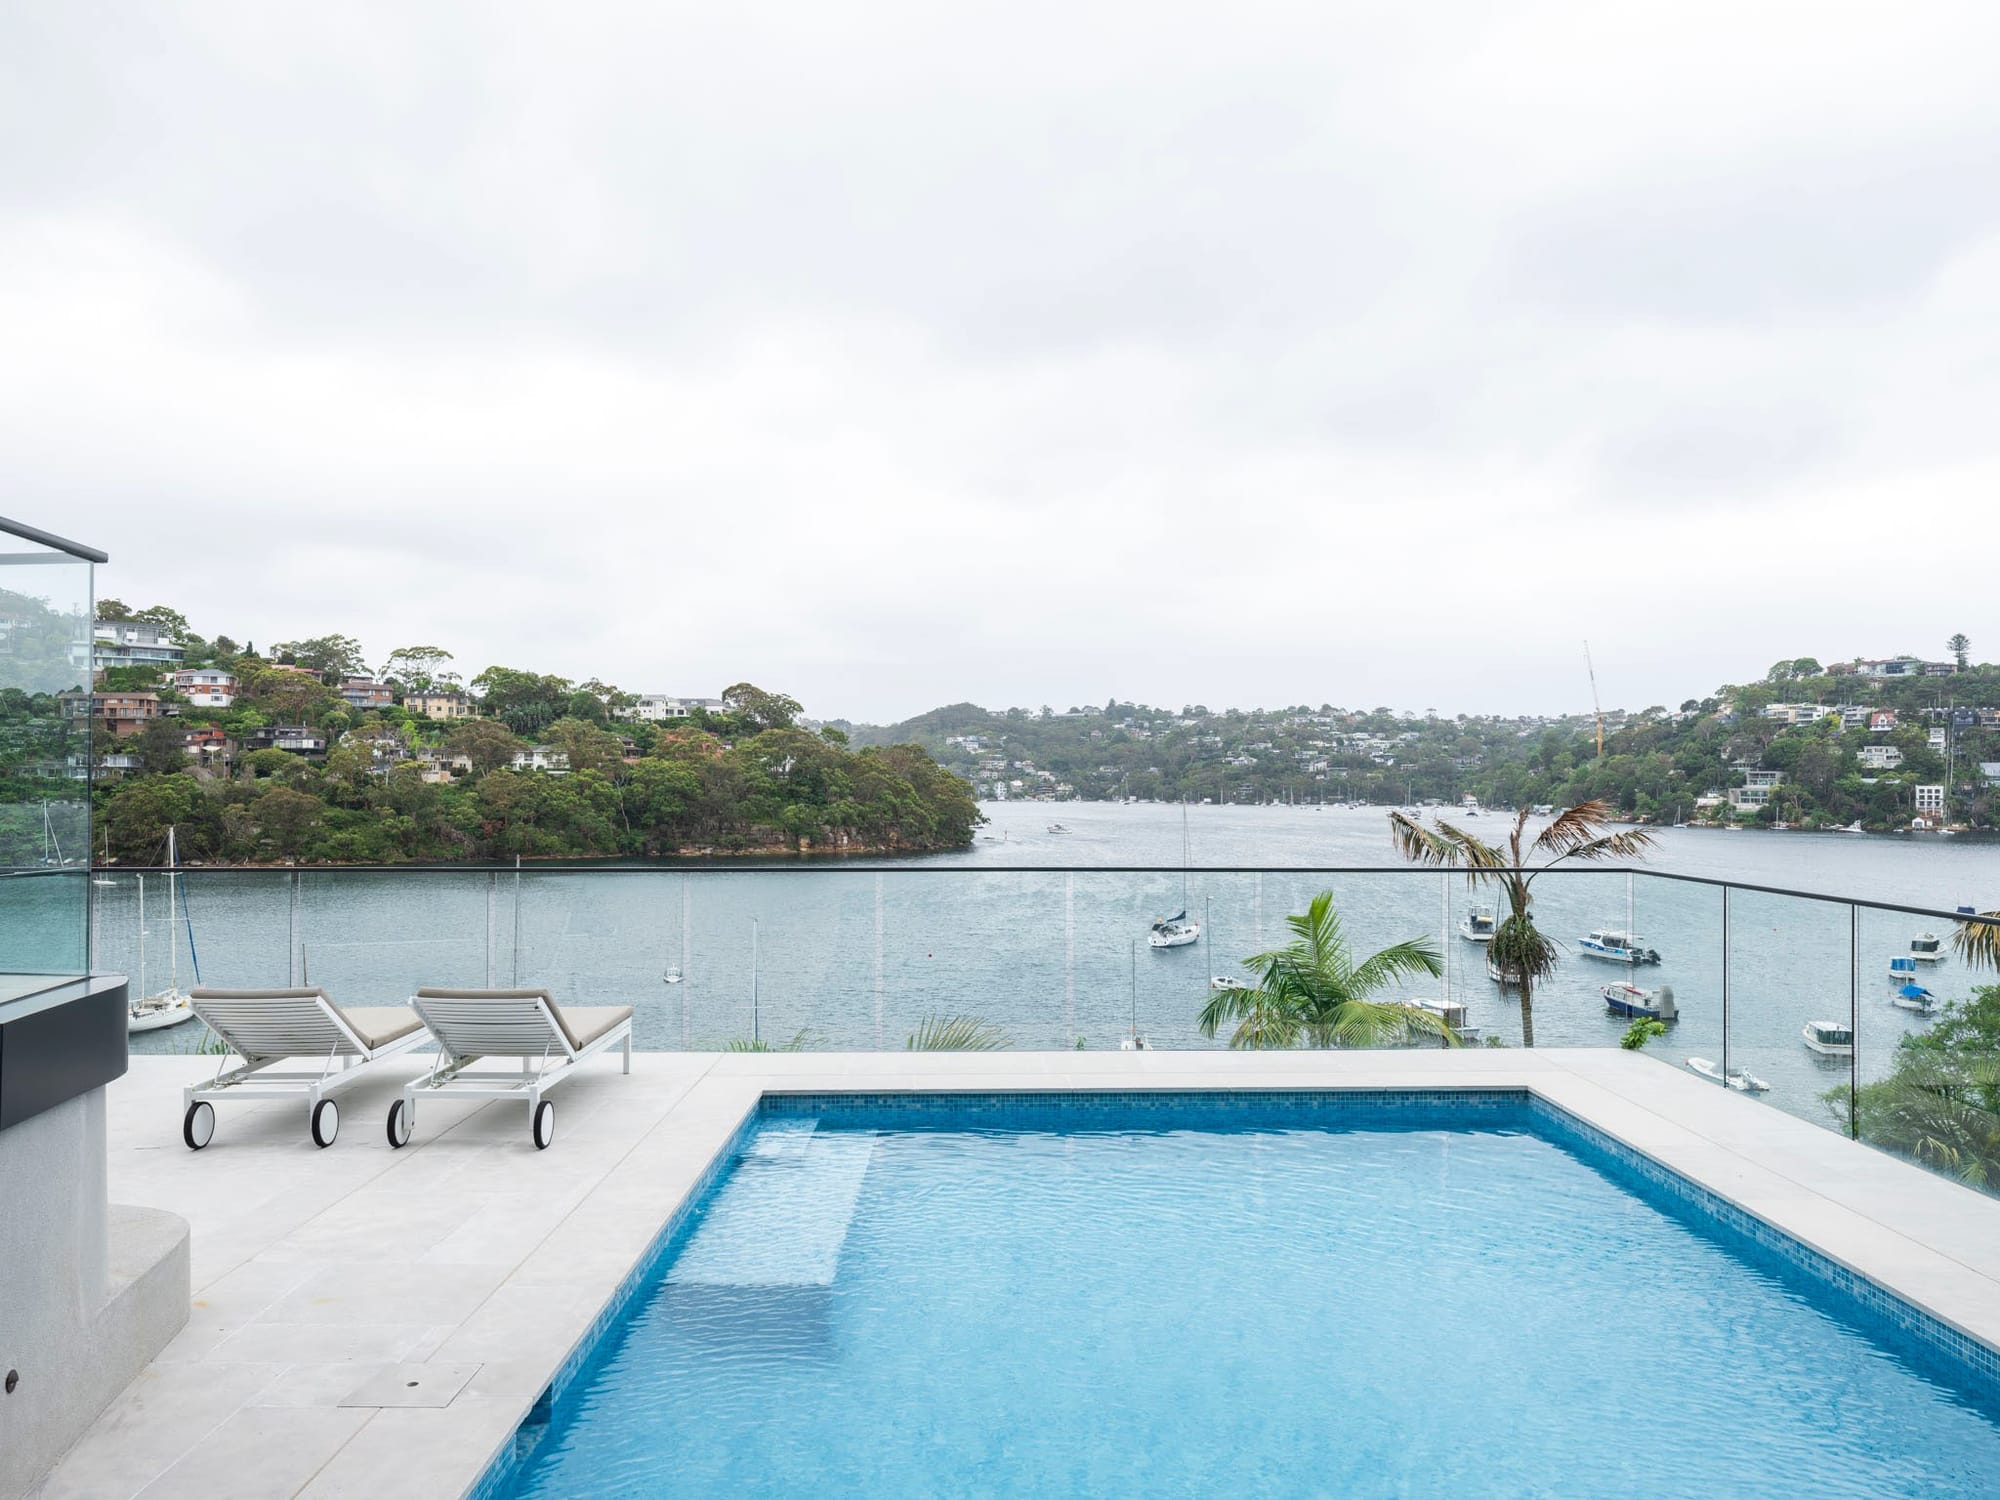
[[884, 1302]]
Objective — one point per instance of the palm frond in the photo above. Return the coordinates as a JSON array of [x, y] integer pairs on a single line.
[[956, 1034], [1376, 1023], [1442, 848], [1578, 833], [1401, 961], [1978, 943]]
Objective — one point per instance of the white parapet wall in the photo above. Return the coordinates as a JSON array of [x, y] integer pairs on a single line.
[[89, 1292]]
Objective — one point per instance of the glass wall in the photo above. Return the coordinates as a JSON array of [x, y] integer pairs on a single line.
[[1806, 1004], [45, 762]]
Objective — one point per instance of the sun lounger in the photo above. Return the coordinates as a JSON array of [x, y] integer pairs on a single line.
[[548, 1039], [266, 1027]]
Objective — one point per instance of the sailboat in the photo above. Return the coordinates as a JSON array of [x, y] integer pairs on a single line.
[[1177, 931], [170, 1006]]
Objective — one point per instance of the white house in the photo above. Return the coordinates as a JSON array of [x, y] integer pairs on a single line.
[[204, 687], [1880, 757], [541, 758], [127, 643], [1930, 799], [657, 708], [1990, 770]]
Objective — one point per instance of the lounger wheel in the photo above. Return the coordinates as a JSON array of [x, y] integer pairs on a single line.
[[325, 1123], [400, 1125], [198, 1124], [543, 1125]]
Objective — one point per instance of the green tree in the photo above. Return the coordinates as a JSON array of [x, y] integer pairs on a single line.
[[1519, 948], [1961, 650], [333, 655], [761, 710], [140, 810], [487, 744], [1312, 991], [418, 669], [161, 746], [286, 818]]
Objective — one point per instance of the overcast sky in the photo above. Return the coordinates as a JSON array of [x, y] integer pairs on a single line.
[[896, 354]]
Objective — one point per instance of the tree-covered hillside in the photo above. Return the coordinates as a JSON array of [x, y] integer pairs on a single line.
[[537, 765], [1844, 746]]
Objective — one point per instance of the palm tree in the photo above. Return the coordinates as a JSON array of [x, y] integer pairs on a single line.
[[1312, 991], [1519, 948]]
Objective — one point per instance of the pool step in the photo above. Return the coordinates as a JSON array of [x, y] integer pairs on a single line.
[[783, 1215]]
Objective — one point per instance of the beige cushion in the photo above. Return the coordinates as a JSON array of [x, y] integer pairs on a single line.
[[379, 1025], [581, 1024], [584, 1024]]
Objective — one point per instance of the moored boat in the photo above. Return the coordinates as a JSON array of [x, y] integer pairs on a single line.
[[1618, 947], [1915, 998], [1738, 1079], [1478, 925], [1902, 970], [1506, 976], [1926, 948], [1451, 1012], [1645, 1005], [1173, 932], [1828, 1038]]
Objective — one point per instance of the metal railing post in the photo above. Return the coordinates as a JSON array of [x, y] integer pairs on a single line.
[[1854, 1022], [1069, 959], [1725, 985], [292, 933], [881, 975], [492, 888]]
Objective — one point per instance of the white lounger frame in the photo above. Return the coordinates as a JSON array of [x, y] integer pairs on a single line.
[[266, 1030], [520, 1026]]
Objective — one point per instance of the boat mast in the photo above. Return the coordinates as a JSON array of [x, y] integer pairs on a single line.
[[173, 890], [142, 935]]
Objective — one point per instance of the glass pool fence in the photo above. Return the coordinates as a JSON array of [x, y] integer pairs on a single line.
[[1843, 1012]]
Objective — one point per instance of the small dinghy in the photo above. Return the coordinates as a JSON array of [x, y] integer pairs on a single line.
[[1742, 1082]]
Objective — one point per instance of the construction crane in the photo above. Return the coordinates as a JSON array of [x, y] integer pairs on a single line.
[[1595, 702]]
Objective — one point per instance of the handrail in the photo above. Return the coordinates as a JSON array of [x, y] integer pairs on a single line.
[[829, 867], [43, 538]]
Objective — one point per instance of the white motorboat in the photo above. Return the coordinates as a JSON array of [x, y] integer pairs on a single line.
[[672, 976], [1916, 999], [1225, 983], [1926, 948], [1828, 1038], [1902, 970], [1057, 828], [1738, 1079], [1618, 947], [1173, 932], [1478, 925]]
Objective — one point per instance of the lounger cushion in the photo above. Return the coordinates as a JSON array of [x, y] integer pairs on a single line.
[[379, 1025], [581, 1024], [586, 1023]]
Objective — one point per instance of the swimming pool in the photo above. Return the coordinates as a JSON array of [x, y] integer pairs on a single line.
[[1439, 1293]]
